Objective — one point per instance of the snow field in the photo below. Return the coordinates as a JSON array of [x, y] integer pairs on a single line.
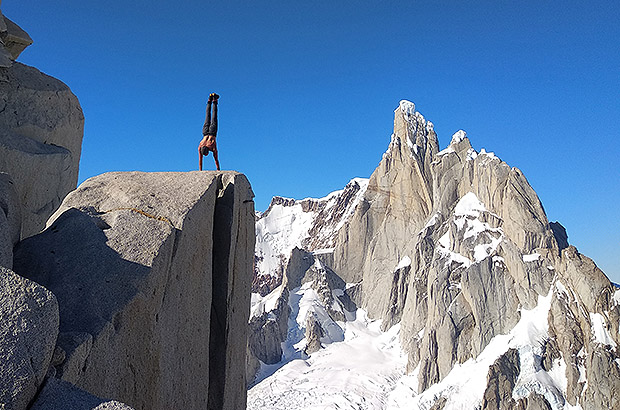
[[366, 370], [358, 372]]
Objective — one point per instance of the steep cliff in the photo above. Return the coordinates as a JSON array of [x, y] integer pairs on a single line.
[[152, 276], [493, 307]]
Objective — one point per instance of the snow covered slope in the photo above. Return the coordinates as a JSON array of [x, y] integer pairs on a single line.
[[366, 370], [310, 223]]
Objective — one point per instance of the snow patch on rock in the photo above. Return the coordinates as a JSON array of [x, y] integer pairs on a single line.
[[469, 205], [458, 136], [404, 262], [531, 257], [600, 333], [464, 386]]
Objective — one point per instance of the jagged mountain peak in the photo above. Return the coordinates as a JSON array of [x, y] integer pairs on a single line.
[[413, 134], [312, 204], [457, 137], [453, 249]]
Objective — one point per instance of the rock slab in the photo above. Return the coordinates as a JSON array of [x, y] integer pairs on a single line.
[[152, 272]]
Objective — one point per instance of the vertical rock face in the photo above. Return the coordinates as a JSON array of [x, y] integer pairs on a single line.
[[481, 250], [456, 247], [152, 274]]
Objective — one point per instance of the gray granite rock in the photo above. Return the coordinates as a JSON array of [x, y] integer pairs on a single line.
[[313, 334], [156, 267], [267, 331], [471, 273], [10, 219], [41, 128], [28, 330], [233, 257], [252, 366], [15, 39], [455, 246], [501, 380]]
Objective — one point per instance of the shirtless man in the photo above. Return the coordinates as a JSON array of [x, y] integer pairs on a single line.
[[209, 132]]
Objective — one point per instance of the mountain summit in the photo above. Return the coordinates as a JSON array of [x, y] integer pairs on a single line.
[[452, 250]]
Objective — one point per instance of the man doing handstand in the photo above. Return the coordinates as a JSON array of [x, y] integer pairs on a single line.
[[209, 132]]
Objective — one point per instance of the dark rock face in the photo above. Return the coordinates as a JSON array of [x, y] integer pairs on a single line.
[[152, 273], [502, 378], [560, 234], [314, 332], [59, 394], [268, 330], [10, 219]]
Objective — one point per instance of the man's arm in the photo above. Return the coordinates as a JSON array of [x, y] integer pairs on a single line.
[[217, 162], [200, 159]]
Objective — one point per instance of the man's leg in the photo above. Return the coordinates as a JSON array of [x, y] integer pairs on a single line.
[[205, 127], [213, 124]]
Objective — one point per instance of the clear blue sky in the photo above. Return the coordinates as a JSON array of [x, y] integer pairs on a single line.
[[308, 90]]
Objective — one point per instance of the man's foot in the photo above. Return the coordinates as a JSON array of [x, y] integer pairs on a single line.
[[215, 97], [210, 97]]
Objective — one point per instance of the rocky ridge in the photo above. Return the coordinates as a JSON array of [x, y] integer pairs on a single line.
[[454, 246], [311, 224]]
